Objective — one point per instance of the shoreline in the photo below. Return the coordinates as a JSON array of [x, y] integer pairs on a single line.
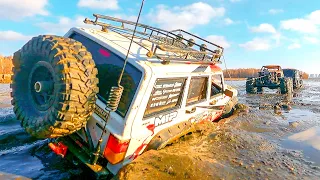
[[235, 79]]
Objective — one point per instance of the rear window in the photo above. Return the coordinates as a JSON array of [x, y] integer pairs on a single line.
[[109, 67], [166, 95], [197, 90]]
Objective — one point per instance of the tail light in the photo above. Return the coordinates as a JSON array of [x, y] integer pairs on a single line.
[[115, 150], [59, 148]]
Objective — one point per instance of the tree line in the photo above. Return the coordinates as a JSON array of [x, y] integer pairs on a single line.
[[6, 68], [6, 64], [248, 72]]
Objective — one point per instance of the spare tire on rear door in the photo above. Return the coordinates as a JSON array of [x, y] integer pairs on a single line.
[[54, 86]]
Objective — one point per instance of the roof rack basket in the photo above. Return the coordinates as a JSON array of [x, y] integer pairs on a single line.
[[168, 41]]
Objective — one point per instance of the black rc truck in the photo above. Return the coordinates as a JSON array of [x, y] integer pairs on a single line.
[[272, 77]]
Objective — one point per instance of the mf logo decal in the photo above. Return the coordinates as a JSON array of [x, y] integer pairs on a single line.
[[165, 118]]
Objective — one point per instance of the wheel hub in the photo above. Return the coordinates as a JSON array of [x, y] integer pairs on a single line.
[[41, 85]]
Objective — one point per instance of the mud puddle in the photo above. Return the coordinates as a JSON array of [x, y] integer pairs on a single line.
[[308, 142]]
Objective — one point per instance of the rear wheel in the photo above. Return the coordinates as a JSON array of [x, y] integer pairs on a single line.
[[300, 83], [286, 86], [250, 86], [54, 86]]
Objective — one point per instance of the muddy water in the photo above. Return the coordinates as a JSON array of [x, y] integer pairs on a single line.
[[23, 155], [256, 145]]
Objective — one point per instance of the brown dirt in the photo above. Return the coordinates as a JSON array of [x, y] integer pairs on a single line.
[[241, 146]]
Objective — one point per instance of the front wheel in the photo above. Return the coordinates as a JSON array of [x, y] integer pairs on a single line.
[[250, 86]]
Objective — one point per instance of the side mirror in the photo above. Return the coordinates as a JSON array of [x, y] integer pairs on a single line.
[[228, 93]]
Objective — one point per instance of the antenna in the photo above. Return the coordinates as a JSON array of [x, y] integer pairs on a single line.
[[134, 31], [115, 93]]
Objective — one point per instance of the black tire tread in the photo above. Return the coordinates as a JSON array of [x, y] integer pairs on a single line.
[[250, 86], [77, 83]]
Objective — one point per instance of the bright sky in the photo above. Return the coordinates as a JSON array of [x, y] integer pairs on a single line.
[[254, 32]]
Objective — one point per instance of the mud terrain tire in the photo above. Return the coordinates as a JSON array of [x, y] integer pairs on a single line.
[[299, 84], [250, 88], [54, 86], [286, 86]]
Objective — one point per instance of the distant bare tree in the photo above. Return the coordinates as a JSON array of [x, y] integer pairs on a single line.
[[248, 72], [6, 64]]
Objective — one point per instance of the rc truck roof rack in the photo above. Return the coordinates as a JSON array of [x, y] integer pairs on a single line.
[[168, 41]]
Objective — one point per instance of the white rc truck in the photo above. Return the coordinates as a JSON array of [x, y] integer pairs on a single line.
[[73, 89]]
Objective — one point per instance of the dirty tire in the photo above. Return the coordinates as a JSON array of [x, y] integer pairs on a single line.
[[260, 90], [299, 84], [290, 88], [66, 73], [286, 86], [250, 86]]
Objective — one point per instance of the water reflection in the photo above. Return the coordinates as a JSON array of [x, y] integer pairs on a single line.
[[310, 137], [307, 141]]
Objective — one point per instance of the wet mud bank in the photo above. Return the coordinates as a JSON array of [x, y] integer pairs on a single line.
[[243, 147], [275, 139]]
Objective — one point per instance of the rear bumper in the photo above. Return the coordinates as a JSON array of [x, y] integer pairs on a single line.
[[82, 154]]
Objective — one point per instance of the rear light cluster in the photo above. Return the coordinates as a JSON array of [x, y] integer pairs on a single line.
[[59, 148], [115, 150]]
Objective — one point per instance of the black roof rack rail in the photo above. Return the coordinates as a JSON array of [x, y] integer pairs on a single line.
[[168, 41]]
